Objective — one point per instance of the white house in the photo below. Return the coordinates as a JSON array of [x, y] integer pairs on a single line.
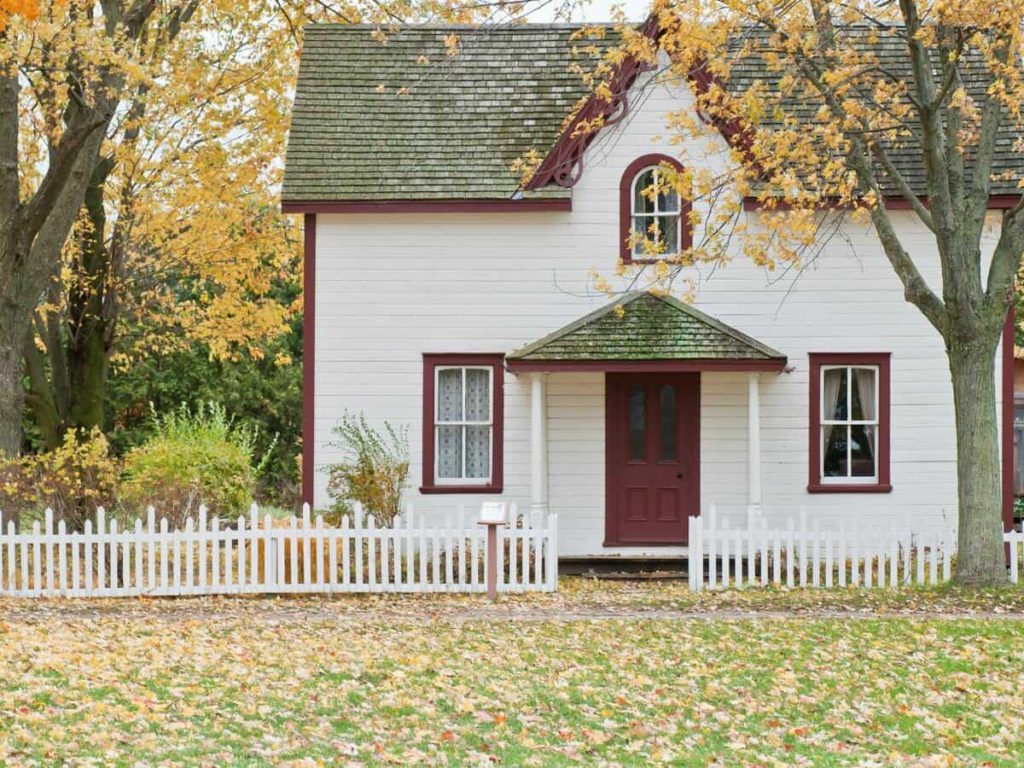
[[442, 296]]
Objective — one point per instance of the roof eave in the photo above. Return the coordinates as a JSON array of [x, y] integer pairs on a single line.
[[693, 365], [430, 205]]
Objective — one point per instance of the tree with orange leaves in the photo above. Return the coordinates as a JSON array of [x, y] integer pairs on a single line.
[[861, 104]]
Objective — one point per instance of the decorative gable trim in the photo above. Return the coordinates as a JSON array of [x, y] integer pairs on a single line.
[[563, 164]]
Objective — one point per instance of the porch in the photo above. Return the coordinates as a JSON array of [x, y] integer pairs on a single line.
[[647, 382]]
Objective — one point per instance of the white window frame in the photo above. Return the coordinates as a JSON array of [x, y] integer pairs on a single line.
[[641, 237], [468, 481], [848, 425]]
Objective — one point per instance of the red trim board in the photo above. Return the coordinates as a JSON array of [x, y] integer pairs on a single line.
[[503, 205], [1007, 416], [646, 366], [308, 353]]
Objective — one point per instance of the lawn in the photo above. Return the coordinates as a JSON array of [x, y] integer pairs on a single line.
[[661, 677]]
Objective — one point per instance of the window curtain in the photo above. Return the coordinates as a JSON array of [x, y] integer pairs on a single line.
[[449, 438], [830, 398], [478, 438], [867, 388]]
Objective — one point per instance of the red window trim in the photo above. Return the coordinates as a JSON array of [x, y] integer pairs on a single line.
[[817, 360], [626, 206], [496, 361]]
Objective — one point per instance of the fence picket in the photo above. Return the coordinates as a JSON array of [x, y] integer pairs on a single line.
[[345, 551], [371, 565], [829, 562], [712, 530], [188, 554], [357, 519], [254, 563], [37, 563], [138, 539], [894, 558], [62, 568], [816, 554], [48, 548], [789, 552], [151, 548], [126, 561]]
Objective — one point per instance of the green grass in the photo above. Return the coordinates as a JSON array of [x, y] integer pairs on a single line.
[[296, 682]]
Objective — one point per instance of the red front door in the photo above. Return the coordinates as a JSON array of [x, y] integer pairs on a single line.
[[652, 438]]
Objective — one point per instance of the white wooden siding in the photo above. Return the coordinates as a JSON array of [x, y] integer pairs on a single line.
[[391, 287]]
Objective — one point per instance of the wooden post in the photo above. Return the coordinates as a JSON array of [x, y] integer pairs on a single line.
[[492, 561]]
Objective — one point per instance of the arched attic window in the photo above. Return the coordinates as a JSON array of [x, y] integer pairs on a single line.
[[650, 207]]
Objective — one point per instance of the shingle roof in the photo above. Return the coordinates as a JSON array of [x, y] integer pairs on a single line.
[[453, 135], [890, 49], [466, 118], [649, 327]]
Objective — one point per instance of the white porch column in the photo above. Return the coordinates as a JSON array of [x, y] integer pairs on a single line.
[[753, 443], [538, 445]]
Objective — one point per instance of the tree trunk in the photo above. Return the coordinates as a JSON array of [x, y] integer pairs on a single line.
[[11, 388], [88, 373], [981, 559]]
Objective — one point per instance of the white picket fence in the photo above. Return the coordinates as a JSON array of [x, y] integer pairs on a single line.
[[264, 555], [755, 555]]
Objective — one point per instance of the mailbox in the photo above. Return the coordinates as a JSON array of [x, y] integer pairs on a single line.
[[494, 513]]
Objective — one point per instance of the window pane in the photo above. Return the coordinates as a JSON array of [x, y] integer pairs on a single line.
[[478, 395], [668, 198], [449, 452], [637, 433], [478, 452], [644, 227], [863, 394], [833, 395], [862, 449], [834, 454], [668, 228], [449, 394], [643, 200], [667, 450]]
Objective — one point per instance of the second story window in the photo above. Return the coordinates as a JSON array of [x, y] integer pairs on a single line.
[[654, 219], [656, 214]]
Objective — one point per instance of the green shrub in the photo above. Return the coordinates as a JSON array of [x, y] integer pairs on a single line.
[[73, 480], [374, 470], [192, 458]]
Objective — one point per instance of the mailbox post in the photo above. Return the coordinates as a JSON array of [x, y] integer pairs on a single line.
[[493, 514]]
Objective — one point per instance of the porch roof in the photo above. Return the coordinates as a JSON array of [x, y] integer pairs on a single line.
[[643, 330]]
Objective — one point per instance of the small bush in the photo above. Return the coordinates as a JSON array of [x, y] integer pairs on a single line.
[[193, 457], [373, 472], [72, 480]]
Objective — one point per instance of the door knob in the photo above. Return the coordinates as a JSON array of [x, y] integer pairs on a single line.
[[680, 475]]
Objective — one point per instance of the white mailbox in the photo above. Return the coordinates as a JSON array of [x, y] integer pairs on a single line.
[[494, 513]]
